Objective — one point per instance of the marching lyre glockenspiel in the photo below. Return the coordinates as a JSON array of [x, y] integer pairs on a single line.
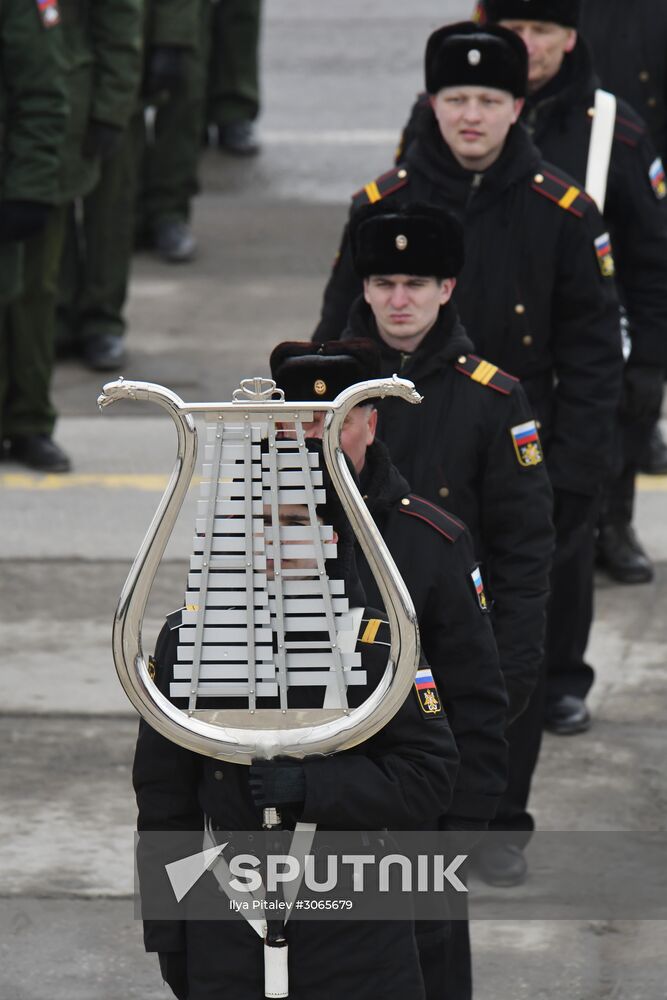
[[266, 615]]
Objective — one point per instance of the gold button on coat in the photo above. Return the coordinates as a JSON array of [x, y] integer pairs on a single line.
[[217, 775], [443, 492], [519, 309], [539, 178], [644, 76], [527, 340]]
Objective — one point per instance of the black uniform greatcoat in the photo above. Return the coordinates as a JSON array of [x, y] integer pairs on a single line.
[[434, 554], [558, 116], [401, 778], [629, 46], [456, 450], [531, 295]]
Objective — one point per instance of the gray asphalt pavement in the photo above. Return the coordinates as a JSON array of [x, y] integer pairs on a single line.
[[338, 81]]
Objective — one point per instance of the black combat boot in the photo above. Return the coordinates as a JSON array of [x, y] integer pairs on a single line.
[[621, 556]]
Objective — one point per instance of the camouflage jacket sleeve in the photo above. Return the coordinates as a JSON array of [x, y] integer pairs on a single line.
[[172, 22], [34, 104], [115, 27]]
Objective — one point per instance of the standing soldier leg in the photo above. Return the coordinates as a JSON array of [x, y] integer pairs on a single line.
[[108, 233], [233, 92], [620, 553], [4, 372], [499, 859], [557, 704], [169, 176], [569, 620], [29, 415], [69, 280], [653, 460], [11, 255]]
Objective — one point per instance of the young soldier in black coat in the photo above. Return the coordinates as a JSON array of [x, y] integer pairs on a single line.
[[536, 294], [401, 778], [629, 47], [559, 113], [434, 554], [458, 448], [472, 445]]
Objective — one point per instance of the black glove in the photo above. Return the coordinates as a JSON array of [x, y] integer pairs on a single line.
[[165, 72], [174, 969], [19, 220], [277, 782], [642, 392], [572, 515], [101, 140]]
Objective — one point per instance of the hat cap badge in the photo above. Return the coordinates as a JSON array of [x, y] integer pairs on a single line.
[[474, 57], [320, 386], [401, 242]]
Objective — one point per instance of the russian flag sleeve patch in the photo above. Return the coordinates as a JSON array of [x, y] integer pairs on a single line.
[[656, 173], [527, 445], [478, 585], [48, 12], [427, 694], [604, 255]]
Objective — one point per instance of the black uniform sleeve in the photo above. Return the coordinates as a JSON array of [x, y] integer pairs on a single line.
[[402, 778], [460, 646], [166, 779], [458, 642], [587, 358], [342, 289], [517, 535], [637, 213]]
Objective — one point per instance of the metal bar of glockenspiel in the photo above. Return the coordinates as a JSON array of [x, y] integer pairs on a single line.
[[206, 560], [279, 622], [324, 592], [249, 562]]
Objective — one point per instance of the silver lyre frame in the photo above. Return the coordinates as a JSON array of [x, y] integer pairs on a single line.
[[241, 737]]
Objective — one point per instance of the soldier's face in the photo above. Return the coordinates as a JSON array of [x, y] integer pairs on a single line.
[[547, 46], [474, 122], [406, 306], [292, 516], [357, 435]]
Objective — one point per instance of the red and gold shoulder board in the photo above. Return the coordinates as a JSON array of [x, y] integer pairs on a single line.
[[559, 188], [487, 374], [378, 189], [628, 131], [414, 506]]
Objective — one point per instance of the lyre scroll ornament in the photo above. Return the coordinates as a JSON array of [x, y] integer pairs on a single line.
[[264, 617]]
